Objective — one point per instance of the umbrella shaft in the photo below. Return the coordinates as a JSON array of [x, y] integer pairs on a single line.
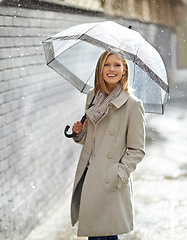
[[83, 118]]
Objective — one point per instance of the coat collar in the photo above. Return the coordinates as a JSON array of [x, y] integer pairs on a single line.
[[118, 102], [121, 99]]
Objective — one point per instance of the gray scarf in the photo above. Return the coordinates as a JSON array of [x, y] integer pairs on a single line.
[[102, 101]]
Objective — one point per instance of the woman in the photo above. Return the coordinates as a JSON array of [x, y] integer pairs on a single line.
[[113, 140]]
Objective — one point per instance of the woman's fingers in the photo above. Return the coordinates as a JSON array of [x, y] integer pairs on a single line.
[[77, 127]]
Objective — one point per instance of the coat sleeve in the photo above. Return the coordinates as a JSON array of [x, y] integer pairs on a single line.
[[81, 138], [135, 150]]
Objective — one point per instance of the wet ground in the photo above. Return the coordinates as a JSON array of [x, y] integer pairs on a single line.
[[160, 181]]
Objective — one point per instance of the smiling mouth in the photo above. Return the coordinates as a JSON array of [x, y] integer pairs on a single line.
[[111, 75]]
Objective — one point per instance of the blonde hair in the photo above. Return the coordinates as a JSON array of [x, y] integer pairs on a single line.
[[100, 84]]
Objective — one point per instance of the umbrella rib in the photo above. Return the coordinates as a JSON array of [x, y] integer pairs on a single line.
[[87, 80], [108, 47], [88, 30], [62, 38]]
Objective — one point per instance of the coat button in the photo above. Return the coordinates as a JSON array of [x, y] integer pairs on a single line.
[[109, 155], [125, 181], [111, 132], [107, 180]]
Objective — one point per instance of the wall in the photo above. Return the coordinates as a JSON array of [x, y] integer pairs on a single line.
[[37, 162], [153, 11]]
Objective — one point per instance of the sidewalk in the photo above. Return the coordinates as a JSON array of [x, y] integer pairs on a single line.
[[160, 182]]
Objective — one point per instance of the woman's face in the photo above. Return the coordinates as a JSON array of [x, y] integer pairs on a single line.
[[113, 71]]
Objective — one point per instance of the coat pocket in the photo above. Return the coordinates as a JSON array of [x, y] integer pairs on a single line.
[[111, 179]]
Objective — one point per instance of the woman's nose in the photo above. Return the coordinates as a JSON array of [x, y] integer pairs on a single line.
[[111, 67]]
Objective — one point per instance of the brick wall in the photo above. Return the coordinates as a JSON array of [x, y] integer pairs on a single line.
[[37, 162]]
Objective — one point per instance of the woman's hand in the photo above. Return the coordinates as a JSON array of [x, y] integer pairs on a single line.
[[78, 127]]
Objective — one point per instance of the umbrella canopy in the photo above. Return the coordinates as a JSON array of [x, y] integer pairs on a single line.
[[74, 53]]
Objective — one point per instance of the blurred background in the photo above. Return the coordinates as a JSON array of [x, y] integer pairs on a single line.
[[37, 163]]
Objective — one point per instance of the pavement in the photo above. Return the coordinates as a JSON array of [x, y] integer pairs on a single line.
[[159, 182]]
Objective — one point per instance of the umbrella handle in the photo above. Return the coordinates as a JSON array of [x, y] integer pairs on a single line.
[[74, 133], [82, 121], [69, 135]]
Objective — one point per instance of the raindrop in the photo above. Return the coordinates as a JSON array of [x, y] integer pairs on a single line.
[[32, 185], [22, 97]]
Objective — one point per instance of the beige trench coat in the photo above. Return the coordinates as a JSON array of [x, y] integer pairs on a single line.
[[116, 143]]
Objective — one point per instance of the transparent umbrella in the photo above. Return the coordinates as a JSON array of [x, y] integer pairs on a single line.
[[74, 52]]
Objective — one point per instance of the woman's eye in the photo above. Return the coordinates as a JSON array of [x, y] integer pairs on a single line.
[[118, 65], [106, 64]]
